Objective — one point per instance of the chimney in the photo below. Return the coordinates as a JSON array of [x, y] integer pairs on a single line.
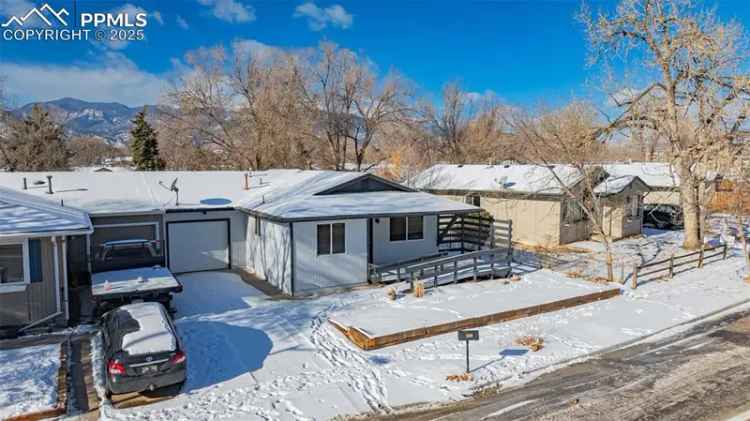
[[25, 184], [247, 181], [49, 184]]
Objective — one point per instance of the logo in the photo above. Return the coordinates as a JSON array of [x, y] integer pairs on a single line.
[[41, 14], [44, 23]]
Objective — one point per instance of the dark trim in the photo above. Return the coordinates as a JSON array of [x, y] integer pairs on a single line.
[[191, 221], [396, 186], [369, 241], [360, 216], [201, 210], [291, 254]]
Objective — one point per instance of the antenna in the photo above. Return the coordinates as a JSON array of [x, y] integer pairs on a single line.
[[173, 188]]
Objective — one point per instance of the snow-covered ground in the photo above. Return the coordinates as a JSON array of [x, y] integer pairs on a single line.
[[254, 358], [28, 379]]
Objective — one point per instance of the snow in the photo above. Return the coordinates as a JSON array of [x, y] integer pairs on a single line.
[[154, 334], [654, 174], [130, 281], [28, 379], [25, 214], [614, 184], [452, 302], [512, 178], [252, 357], [280, 192]]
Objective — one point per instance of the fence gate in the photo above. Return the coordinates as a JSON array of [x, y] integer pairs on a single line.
[[473, 232]]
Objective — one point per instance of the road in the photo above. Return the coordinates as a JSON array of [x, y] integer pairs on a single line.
[[700, 374]]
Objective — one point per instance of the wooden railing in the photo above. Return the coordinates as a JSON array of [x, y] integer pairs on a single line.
[[697, 257], [452, 268]]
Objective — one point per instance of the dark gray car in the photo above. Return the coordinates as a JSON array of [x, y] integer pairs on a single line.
[[142, 350]]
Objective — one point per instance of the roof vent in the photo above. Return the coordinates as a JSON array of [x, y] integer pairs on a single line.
[[49, 184]]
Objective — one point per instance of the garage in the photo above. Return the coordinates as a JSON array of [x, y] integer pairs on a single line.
[[198, 245]]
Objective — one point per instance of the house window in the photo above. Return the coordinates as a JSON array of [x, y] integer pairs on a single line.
[[572, 212], [633, 206], [12, 268], [407, 228], [473, 199], [331, 239]]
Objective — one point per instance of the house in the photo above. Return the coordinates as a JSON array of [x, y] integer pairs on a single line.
[[532, 197], [33, 258], [661, 178], [302, 231], [622, 205]]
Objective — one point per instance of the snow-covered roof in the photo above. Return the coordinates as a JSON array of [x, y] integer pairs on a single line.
[[154, 334], [295, 195], [616, 184], [23, 214], [129, 281], [520, 178], [281, 193], [654, 174]]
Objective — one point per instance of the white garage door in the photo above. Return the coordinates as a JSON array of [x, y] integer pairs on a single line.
[[196, 246]]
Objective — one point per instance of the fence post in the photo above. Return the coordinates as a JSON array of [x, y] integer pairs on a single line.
[[724, 253], [475, 268], [411, 280], [700, 257], [671, 266], [635, 277], [492, 266]]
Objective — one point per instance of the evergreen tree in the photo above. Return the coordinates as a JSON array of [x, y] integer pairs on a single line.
[[35, 143], [144, 146]]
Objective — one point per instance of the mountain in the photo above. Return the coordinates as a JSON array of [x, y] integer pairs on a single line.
[[109, 121]]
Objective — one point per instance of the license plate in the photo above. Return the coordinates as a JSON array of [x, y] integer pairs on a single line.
[[149, 369]]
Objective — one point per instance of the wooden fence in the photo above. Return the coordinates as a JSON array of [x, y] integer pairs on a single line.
[[473, 232], [669, 265]]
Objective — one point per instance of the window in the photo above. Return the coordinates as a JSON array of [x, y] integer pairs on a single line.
[[331, 239], [633, 206], [572, 212], [473, 199], [403, 228], [12, 268]]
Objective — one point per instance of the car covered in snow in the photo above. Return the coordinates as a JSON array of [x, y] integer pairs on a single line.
[[662, 216], [142, 350]]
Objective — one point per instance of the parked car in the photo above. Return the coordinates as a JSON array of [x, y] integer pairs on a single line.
[[662, 216], [141, 349]]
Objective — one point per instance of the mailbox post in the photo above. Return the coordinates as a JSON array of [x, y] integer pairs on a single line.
[[468, 335]]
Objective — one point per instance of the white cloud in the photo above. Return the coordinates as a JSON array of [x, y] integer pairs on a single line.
[[114, 78], [15, 7], [230, 10], [182, 23], [157, 15], [257, 50], [319, 18]]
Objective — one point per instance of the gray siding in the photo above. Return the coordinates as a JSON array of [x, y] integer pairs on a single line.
[[269, 255], [385, 251], [39, 300]]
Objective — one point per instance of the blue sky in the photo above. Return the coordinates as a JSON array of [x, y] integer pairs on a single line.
[[526, 52]]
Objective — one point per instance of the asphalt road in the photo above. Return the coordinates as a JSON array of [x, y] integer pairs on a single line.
[[700, 374]]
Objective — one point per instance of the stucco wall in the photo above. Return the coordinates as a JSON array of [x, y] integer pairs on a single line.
[[664, 197], [384, 251], [269, 254], [313, 272]]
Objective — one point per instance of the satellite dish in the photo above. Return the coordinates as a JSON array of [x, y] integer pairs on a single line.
[[173, 188]]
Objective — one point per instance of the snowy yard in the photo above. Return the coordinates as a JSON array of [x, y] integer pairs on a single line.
[[254, 358], [28, 379]]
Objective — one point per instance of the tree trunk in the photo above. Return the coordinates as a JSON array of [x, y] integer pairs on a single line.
[[690, 207]]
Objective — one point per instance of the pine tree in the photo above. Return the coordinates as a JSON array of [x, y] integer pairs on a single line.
[[144, 146], [36, 143]]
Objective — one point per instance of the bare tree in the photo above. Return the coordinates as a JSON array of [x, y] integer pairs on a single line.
[[88, 150], [571, 135], [693, 64]]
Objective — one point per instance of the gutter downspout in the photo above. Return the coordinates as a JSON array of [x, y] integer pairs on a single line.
[[66, 297], [56, 260]]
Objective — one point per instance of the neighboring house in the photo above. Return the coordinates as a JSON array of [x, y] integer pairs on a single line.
[[541, 211], [303, 231], [33, 252], [661, 178], [622, 205]]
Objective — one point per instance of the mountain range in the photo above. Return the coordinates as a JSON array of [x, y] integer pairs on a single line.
[[110, 121]]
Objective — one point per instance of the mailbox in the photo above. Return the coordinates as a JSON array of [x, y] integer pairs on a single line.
[[468, 335]]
